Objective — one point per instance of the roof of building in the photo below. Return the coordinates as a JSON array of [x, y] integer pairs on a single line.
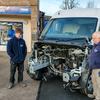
[[80, 12]]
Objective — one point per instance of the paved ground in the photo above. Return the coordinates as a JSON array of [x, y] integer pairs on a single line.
[[17, 93], [53, 90]]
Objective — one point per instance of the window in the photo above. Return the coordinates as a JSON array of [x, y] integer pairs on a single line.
[[99, 28], [70, 28], [7, 30]]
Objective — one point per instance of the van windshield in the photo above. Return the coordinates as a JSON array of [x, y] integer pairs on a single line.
[[69, 28]]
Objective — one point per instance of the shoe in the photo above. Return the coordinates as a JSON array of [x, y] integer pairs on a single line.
[[11, 85], [91, 96], [21, 84]]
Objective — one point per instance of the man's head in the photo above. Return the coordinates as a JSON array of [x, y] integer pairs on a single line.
[[96, 37], [18, 33], [10, 27]]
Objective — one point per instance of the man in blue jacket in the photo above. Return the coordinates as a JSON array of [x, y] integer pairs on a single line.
[[94, 64], [17, 50], [11, 32]]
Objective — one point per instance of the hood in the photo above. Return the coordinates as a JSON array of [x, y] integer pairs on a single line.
[[70, 44], [80, 42]]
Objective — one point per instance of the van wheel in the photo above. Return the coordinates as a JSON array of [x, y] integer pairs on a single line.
[[89, 86], [38, 75]]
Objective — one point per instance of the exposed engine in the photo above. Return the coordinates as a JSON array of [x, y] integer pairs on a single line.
[[69, 62], [58, 59], [61, 59]]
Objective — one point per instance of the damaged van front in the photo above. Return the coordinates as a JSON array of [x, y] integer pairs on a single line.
[[63, 49]]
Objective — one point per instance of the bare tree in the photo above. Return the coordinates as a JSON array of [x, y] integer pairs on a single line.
[[69, 4], [91, 4]]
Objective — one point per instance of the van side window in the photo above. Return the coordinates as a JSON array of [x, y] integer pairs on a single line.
[[99, 27]]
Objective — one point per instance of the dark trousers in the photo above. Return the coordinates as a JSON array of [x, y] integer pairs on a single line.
[[20, 68]]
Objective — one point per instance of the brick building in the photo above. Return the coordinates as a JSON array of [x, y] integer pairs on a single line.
[[28, 21]]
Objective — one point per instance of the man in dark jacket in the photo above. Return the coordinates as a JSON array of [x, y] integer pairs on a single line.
[[17, 50], [94, 64]]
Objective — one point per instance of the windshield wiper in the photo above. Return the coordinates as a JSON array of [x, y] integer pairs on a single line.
[[72, 39]]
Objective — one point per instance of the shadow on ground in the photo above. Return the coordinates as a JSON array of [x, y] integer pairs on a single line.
[[53, 90]]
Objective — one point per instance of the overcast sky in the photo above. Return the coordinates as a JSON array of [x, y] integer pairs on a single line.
[[51, 6]]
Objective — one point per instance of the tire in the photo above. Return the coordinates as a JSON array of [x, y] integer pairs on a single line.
[[38, 75], [89, 86]]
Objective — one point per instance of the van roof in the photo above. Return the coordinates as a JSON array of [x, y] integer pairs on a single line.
[[78, 12]]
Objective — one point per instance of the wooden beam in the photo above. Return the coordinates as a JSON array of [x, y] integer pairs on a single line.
[[34, 19]]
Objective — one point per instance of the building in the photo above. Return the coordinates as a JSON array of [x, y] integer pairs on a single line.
[[22, 13], [12, 19]]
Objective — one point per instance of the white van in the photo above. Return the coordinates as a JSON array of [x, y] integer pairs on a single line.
[[75, 22], [64, 46]]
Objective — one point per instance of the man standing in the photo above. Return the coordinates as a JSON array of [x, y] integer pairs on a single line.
[[17, 50], [94, 64], [11, 32]]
